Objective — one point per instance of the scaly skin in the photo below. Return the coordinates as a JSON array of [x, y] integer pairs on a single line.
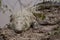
[[22, 21]]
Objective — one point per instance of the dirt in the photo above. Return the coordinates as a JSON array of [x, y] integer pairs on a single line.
[[47, 30]]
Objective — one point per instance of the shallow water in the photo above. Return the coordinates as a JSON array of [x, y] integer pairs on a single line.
[[15, 6]]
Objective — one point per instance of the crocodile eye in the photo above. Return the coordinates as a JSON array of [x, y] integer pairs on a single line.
[[11, 19]]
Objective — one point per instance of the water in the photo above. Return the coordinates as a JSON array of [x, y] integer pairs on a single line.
[[15, 6]]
